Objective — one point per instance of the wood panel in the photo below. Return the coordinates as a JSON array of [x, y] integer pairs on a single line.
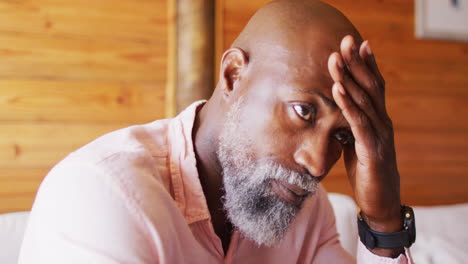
[[29, 149], [129, 21], [70, 72], [427, 96], [42, 144], [46, 57], [18, 188], [65, 101]]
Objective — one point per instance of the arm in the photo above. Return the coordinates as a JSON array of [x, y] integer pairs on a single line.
[[359, 91]]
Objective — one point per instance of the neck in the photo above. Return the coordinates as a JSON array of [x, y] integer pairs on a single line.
[[205, 138], [205, 144]]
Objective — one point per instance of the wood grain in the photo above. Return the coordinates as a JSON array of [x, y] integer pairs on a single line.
[[70, 72], [64, 101], [117, 21], [195, 51], [44, 57], [42, 144], [18, 188], [427, 97]]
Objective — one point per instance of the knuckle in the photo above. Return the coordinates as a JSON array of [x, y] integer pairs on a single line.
[[376, 84], [361, 119], [363, 100]]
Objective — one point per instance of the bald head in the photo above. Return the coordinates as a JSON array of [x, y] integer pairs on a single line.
[[294, 27]]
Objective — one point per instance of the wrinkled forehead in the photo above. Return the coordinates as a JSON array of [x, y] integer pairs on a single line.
[[298, 63], [301, 58]]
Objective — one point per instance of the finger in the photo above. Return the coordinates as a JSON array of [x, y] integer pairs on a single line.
[[362, 129], [335, 66], [368, 57], [357, 94], [360, 72]]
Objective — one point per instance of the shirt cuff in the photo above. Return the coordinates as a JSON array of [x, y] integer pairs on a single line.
[[365, 256]]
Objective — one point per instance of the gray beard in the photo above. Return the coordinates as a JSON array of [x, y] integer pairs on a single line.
[[251, 206]]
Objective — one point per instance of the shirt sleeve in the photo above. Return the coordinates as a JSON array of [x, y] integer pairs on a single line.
[[365, 256], [81, 216]]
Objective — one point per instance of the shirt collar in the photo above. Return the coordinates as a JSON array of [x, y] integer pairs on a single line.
[[188, 192]]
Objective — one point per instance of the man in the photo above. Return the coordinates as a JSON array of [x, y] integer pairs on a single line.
[[235, 179]]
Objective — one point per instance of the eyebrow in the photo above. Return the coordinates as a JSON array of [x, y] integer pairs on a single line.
[[329, 102]]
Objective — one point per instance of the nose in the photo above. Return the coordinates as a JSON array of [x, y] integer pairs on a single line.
[[316, 157]]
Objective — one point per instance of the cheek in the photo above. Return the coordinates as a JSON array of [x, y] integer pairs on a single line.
[[271, 140]]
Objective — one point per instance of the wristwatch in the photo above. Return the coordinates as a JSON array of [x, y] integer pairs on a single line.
[[404, 238]]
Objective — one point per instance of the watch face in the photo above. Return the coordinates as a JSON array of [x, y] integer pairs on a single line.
[[409, 223]]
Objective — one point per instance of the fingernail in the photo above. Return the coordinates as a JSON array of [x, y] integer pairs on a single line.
[[368, 49], [340, 88]]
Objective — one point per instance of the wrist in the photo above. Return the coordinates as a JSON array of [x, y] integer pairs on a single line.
[[389, 224], [388, 237]]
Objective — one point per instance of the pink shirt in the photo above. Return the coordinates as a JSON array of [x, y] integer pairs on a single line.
[[134, 196]]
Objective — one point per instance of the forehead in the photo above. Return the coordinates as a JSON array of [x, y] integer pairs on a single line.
[[301, 67]]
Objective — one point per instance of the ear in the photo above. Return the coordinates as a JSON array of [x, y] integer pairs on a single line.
[[233, 65]]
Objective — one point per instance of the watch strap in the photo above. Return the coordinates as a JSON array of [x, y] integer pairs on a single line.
[[405, 238]]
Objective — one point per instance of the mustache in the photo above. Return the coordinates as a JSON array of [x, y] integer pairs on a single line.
[[304, 180]]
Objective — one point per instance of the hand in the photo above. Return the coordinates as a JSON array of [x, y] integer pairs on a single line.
[[359, 91]]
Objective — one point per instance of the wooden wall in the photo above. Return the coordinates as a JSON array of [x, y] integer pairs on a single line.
[[73, 70], [427, 84], [69, 72]]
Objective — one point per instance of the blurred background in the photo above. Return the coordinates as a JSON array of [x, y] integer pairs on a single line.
[[71, 71]]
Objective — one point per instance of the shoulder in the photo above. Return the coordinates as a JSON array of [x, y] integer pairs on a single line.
[[148, 139], [125, 172], [128, 156], [105, 197]]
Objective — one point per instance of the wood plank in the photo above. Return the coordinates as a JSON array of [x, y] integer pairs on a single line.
[[41, 145], [427, 148], [428, 113], [65, 101], [195, 51], [143, 20], [420, 184], [18, 188], [171, 81], [41, 57]]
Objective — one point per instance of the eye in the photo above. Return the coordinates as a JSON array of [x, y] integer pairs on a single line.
[[344, 137], [306, 112]]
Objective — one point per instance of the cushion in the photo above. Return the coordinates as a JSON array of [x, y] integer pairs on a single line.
[[12, 226]]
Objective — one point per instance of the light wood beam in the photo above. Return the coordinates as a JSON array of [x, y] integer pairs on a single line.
[[195, 51]]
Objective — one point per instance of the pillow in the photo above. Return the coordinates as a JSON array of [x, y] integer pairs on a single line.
[[12, 227]]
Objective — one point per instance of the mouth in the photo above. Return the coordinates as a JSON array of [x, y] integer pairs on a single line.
[[291, 193]]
